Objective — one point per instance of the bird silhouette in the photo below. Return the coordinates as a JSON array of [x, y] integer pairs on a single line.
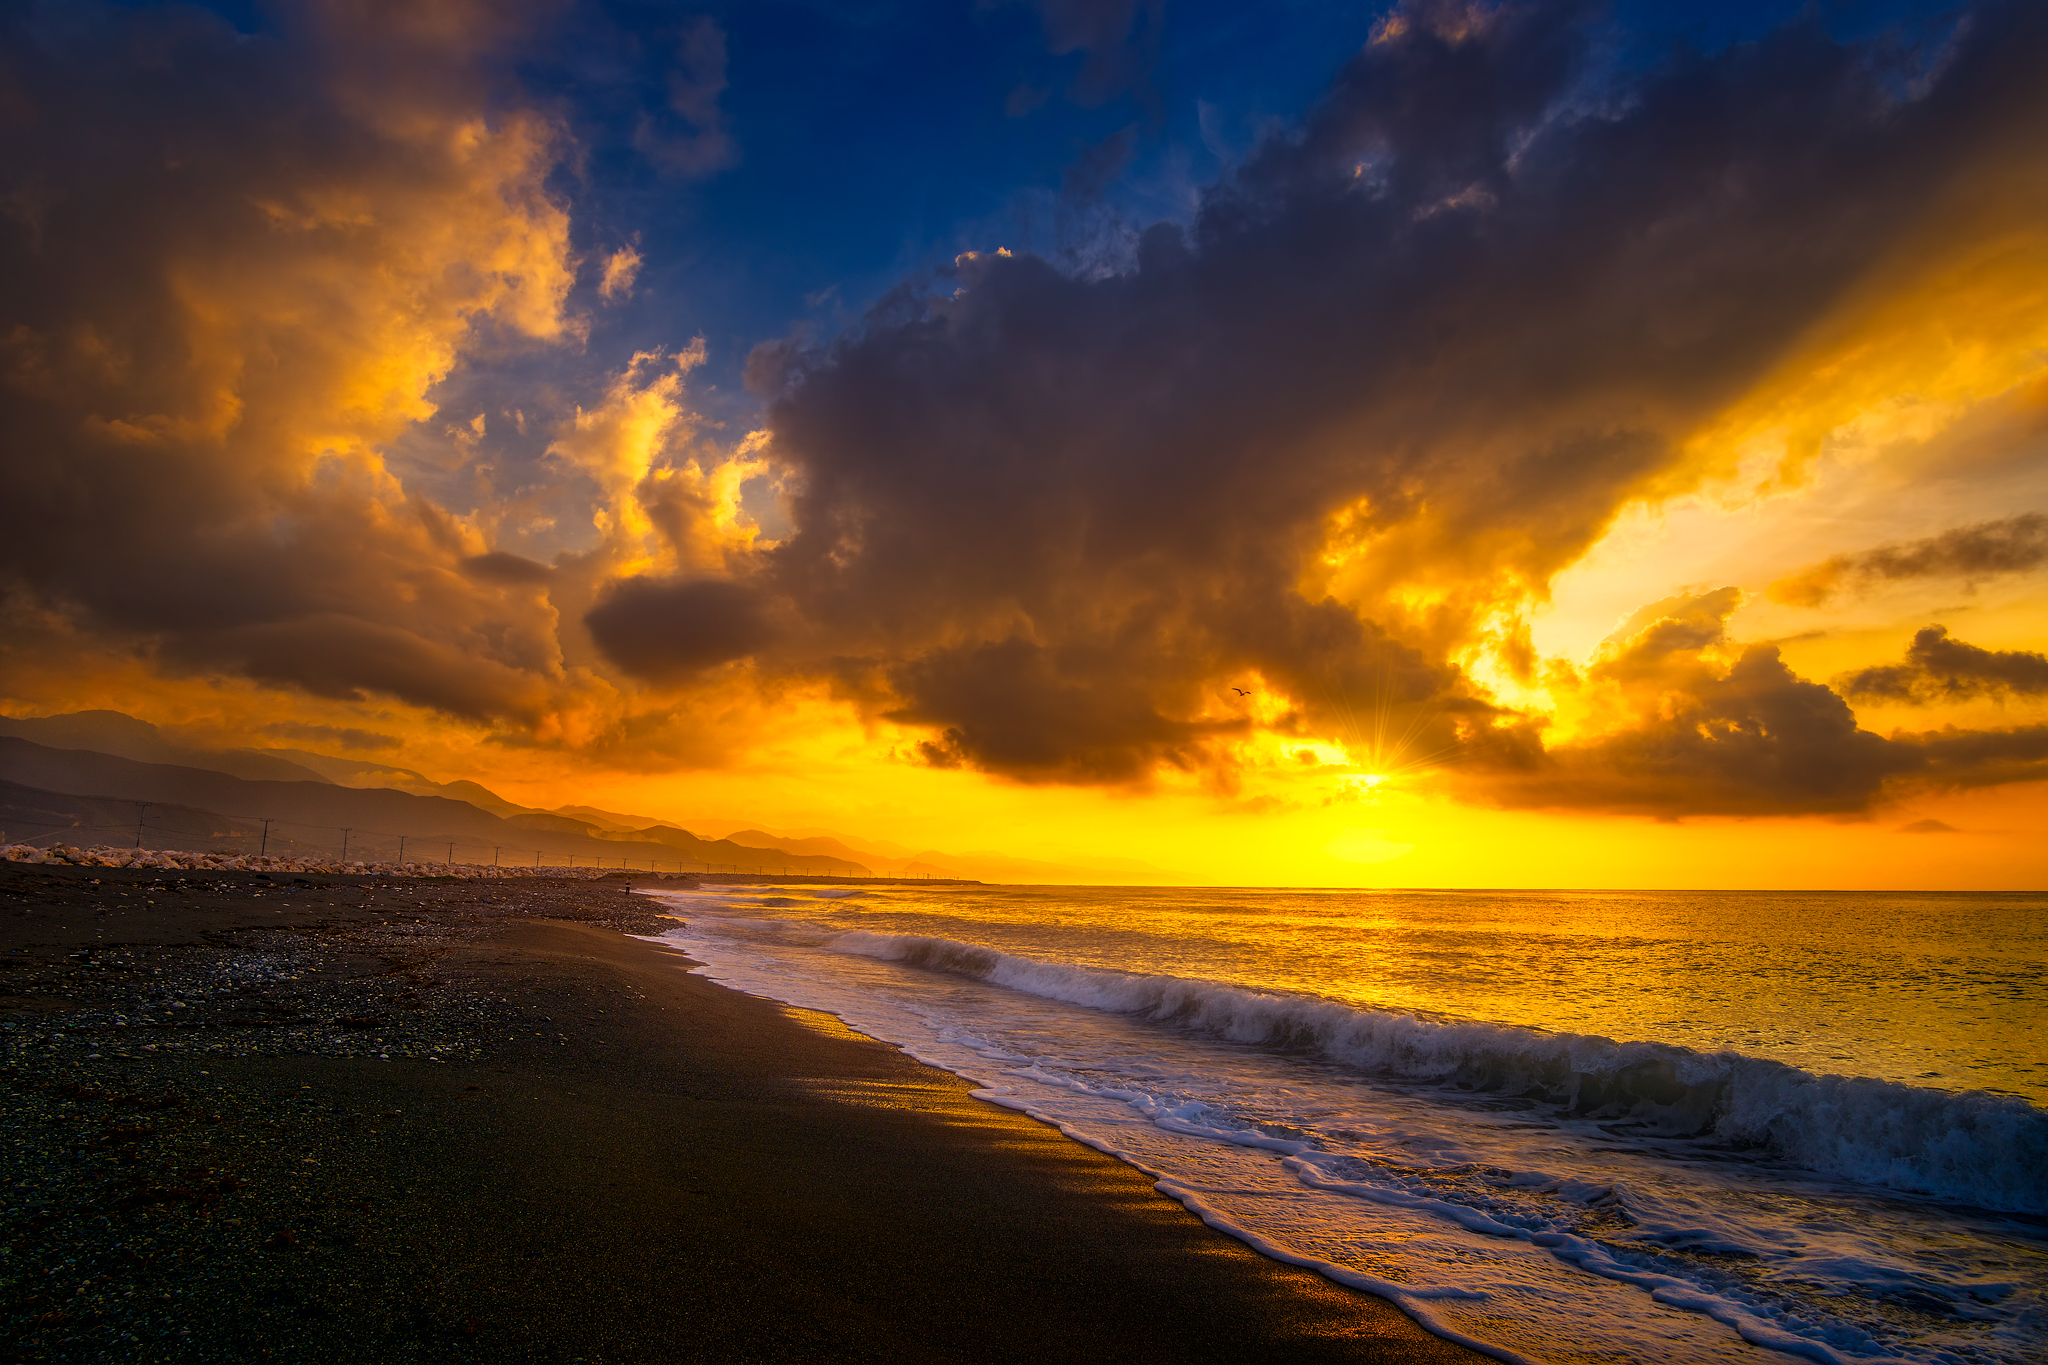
[[1242, 691]]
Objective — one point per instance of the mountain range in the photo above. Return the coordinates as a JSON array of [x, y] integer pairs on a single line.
[[81, 777]]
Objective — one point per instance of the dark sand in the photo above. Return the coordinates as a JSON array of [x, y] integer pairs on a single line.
[[357, 1119]]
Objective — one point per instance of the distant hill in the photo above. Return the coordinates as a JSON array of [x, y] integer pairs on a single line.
[[724, 853], [556, 824], [579, 831], [311, 816], [355, 772], [818, 847], [28, 813], [894, 860], [111, 732], [608, 819]]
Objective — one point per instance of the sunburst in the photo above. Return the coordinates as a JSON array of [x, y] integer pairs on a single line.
[[1387, 740]]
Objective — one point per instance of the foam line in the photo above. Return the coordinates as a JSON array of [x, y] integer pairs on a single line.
[[1972, 1146], [1410, 1299]]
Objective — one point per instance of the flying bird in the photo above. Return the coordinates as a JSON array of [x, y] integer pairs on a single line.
[[1242, 691]]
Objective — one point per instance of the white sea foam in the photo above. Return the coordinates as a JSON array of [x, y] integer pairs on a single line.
[[1984, 1149]]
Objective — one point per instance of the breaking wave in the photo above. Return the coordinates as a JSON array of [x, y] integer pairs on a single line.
[[1975, 1147]]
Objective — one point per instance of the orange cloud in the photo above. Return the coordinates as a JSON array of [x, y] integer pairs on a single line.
[[1328, 445]]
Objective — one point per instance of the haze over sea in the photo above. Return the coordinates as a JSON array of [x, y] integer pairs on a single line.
[[1556, 1125]]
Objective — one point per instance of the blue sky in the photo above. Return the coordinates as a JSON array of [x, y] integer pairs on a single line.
[[876, 140], [872, 142]]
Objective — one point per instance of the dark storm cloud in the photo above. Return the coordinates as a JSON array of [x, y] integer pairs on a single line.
[[1403, 367], [1011, 706], [2011, 545], [1939, 668], [661, 630], [1748, 738], [1756, 741], [1981, 758], [232, 267], [346, 658]]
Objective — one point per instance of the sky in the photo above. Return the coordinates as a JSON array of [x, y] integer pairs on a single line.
[[1429, 444]]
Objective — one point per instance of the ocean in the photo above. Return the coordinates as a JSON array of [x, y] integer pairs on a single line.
[[1555, 1126]]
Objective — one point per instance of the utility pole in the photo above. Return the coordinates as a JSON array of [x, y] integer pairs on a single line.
[[344, 845], [401, 850], [140, 807], [494, 855], [450, 864], [536, 860], [264, 847]]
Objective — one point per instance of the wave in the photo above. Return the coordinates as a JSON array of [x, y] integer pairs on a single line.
[[1973, 1146]]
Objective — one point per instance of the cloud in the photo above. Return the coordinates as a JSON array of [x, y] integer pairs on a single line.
[[1755, 740], [1328, 441], [2010, 545], [238, 353], [1684, 623], [1692, 723], [500, 566], [347, 737], [1119, 45], [621, 268], [663, 630], [695, 140], [347, 658], [1017, 708], [257, 256], [1980, 758], [1928, 827], [1939, 668], [1404, 366]]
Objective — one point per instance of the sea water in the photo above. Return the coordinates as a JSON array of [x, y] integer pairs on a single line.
[[1553, 1126]]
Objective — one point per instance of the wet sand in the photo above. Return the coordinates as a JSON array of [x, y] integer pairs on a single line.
[[366, 1119]]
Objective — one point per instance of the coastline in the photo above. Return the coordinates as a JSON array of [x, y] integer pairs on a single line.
[[575, 1150]]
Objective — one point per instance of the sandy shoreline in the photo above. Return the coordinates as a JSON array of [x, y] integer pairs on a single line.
[[357, 1118]]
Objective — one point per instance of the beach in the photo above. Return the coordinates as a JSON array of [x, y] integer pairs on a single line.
[[338, 1118]]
